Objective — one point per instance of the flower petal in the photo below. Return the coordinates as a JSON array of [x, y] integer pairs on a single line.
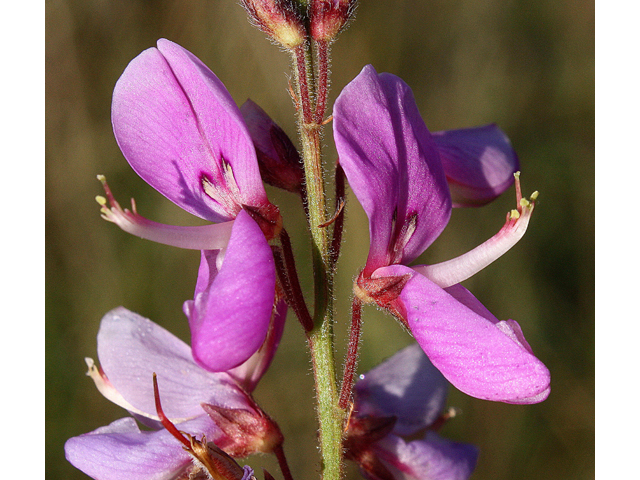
[[180, 130], [475, 355], [132, 348], [406, 386], [121, 451], [392, 165], [230, 315], [432, 458], [479, 163], [250, 372]]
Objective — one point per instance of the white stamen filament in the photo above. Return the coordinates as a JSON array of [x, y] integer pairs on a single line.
[[204, 237], [451, 272]]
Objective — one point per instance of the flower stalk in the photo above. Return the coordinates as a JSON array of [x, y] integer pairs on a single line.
[[320, 338]]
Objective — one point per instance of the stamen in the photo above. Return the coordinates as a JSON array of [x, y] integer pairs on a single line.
[[451, 272], [450, 413], [205, 237]]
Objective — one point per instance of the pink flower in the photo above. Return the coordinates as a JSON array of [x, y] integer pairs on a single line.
[[402, 175]]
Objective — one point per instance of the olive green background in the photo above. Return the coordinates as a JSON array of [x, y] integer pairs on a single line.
[[526, 65]]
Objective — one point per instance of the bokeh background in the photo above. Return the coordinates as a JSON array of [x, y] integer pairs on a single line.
[[527, 65]]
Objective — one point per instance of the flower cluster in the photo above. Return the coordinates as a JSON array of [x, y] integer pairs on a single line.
[[181, 131]]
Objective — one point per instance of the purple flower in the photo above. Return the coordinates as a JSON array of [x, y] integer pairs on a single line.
[[131, 349], [402, 175], [181, 131], [405, 397]]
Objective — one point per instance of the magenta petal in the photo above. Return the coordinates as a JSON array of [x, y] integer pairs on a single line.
[[229, 319], [406, 386], [250, 372], [392, 165], [132, 348], [472, 352], [178, 127], [432, 458], [121, 451], [479, 163]]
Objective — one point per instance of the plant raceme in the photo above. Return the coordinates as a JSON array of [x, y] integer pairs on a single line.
[[181, 131]]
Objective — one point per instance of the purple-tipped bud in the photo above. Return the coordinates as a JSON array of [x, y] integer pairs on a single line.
[[278, 158], [327, 18], [244, 432], [280, 19]]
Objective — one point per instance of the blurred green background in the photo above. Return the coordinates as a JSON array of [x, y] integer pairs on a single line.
[[527, 65]]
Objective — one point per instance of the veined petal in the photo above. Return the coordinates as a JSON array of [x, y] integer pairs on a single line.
[[510, 328], [180, 130], [479, 163], [451, 272], [432, 458], [132, 348], [475, 355], [250, 372], [406, 386], [392, 165], [121, 451], [229, 318]]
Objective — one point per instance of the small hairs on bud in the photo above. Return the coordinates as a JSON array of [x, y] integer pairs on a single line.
[[327, 18], [280, 19]]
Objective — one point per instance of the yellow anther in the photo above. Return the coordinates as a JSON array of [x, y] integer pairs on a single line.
[[534, 196], [524, 203], [515, 214], [101, 200], [102, 178]]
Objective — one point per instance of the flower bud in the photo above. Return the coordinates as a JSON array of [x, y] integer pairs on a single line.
[[278, 159], [280, 19], [328, 17]]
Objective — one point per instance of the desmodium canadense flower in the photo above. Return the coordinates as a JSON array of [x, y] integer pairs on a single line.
[[392, 433], [216, 405], [181, 131], [402, 175]]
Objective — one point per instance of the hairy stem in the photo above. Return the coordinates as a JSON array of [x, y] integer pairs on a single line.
[[321, 341]]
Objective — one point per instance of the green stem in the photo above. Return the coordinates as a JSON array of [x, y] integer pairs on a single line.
[[321, 341]]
